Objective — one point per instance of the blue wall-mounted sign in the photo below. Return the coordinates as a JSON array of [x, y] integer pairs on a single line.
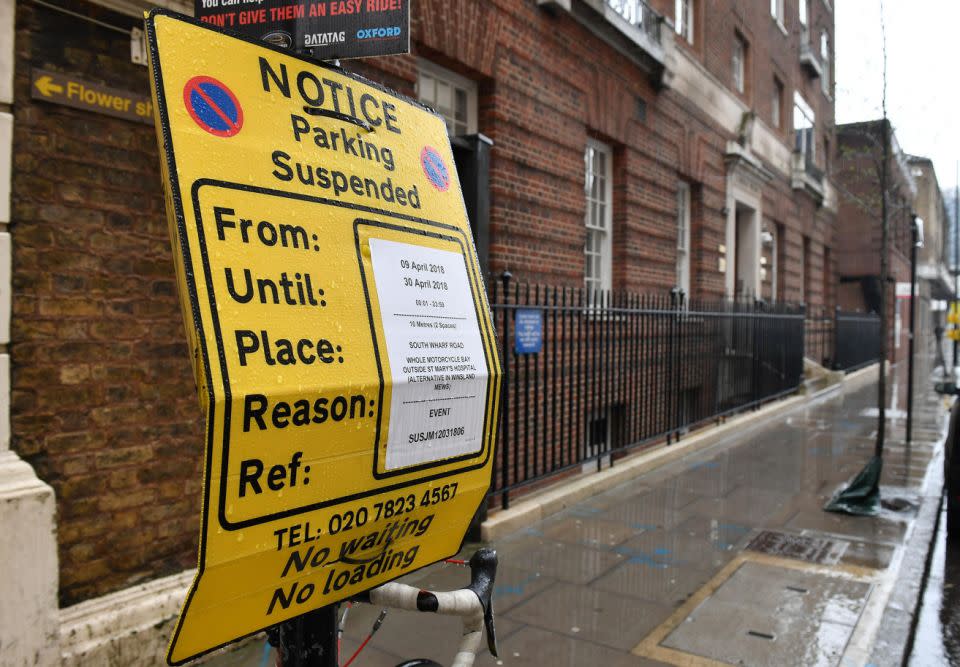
[[528, 331]]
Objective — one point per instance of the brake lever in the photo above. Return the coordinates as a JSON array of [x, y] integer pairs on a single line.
[[483, 573]]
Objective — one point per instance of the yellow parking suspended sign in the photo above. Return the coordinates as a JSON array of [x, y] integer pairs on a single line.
[[335, 310]]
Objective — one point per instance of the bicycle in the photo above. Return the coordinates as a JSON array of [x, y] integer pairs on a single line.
[[474, 604]]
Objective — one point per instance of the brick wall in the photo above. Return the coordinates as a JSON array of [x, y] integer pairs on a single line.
[[771, 51], [859, 230], [103, 399], [546, 84]]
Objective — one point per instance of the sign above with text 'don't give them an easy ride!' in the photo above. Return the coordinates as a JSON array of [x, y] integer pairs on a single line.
[[336, 315], [329, 29]]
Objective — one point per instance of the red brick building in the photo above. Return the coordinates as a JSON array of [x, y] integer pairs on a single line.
[[858, 237], [683, 144], [859, 230]]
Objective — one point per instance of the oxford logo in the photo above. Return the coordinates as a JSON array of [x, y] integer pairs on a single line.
[[375, 33]]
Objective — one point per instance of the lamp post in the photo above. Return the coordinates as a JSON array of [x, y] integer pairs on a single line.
[[917, 242]]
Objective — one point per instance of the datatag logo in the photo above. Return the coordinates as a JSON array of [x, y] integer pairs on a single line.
[[324, 38], [378, 33]]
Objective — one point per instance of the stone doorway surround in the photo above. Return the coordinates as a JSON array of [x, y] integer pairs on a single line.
[[29, 623]]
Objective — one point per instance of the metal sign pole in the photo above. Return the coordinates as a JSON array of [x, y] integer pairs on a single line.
[[956, 256], [913, 314], [309, 640]]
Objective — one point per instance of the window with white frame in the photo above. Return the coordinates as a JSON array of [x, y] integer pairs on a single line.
[[802, 14], [683, 237], [453, 96], [804, 126], [825, 57], [772, 247], [776, 104], [739, 63], [683, 19], [776, 10], [598, 190], [805, 275]]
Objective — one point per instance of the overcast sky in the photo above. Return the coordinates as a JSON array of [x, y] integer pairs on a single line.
[[923, 86]]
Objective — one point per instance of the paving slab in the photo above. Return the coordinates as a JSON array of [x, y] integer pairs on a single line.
[[764, 615], [591, 614], [565, 562], [883, 531], [666, 583], [536, 647], [590, 531]]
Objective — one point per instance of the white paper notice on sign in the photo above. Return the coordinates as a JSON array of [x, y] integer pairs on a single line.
[[435, 352]]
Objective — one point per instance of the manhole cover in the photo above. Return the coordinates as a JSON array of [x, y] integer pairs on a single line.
[[800, 547], [897, 504]]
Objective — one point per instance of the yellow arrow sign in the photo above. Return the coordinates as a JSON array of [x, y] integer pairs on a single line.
[[73, 91], [47, 87], [343, 346]]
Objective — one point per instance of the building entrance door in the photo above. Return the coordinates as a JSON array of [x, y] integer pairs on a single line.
[[746, 261], [471, 153]]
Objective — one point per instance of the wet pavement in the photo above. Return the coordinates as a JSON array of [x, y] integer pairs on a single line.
[[937, 637], [658, 570]]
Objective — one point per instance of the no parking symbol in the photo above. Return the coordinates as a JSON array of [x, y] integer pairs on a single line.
[[435, 168], [213, 106]]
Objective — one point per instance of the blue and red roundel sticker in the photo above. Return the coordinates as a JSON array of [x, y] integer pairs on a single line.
[[213, 106], [435, 168]]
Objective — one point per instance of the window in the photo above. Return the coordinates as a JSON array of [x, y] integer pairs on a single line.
[[779, 252], [598, 190], [683, 22], [453, 96], [739, 63], [827, 276], [776, 10], [683, 237], [776, 104], [604, 429], [804, 125], [598, 434], [771, 246], [825, 57], [804, 36]]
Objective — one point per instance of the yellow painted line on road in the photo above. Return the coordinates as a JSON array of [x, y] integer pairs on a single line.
[[859, 572], [650, 647]]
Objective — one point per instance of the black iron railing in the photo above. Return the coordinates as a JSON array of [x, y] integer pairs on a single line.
[[588, 375], [841, 340], [857, 340], [819, 336]]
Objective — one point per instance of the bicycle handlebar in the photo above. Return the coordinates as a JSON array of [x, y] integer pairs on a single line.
[[474, 603]]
